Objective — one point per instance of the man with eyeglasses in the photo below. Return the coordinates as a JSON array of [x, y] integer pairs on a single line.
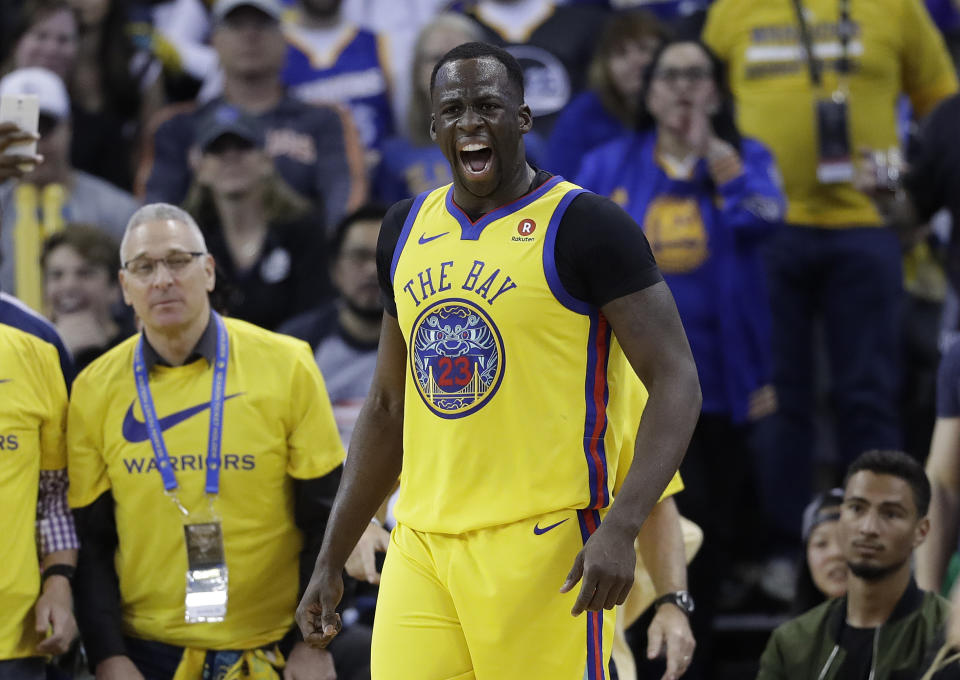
[[203, 455]]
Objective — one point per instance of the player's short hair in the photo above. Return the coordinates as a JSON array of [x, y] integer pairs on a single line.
[[156, 212], [896, 464], [371, 212], [92, 244], [479, 50]]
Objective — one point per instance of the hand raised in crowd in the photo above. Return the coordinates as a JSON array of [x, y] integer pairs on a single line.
[[307, 663], [118, 668], [15, 166], [317, 612], [606, 565], [54, 613], [670, 632], [362, 563]]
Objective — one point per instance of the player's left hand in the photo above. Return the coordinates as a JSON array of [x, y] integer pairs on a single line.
[[606, 565], [670, 629], [309, 663], [54, 612], [362, 563]]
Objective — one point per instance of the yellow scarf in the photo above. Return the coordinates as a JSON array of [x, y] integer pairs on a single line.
[[254, 664], [29, 234]]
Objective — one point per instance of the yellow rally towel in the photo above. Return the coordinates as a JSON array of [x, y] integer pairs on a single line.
[[253, 664], [29, 235]]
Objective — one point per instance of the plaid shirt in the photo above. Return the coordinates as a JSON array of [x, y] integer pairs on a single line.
[[55, 530]]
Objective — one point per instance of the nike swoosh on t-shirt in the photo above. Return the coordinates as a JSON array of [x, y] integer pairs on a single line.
[[135, 431], [426, 239]]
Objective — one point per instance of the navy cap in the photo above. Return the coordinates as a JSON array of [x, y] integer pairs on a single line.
[[228, 120], [824, 508]]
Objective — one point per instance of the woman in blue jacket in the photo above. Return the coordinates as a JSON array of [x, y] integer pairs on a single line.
[[707, 199]]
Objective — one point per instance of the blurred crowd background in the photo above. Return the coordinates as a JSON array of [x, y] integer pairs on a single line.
[[818, 304]]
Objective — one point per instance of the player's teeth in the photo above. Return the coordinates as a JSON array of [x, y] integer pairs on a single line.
[[474, 147]]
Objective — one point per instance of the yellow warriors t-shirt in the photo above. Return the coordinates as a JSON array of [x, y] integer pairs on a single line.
[[895, 48], [510, 380], [277, 425], [33, 405]]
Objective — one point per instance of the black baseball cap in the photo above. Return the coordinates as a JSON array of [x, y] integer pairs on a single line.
[[825, 507], [228, 120]]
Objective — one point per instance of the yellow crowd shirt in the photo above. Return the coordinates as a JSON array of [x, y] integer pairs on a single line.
[[510, 381], [895, 48], [278, 425], [32, 417]]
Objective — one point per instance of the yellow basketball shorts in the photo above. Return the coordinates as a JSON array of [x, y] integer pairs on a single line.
[[486, 605]]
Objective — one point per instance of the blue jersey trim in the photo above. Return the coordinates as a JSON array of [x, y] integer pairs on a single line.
[[550, 262], [596, 398], [405, 232], [470, 231]]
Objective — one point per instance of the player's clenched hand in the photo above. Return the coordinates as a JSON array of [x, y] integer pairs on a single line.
[[362, 563], [317, 613], [670, 628], [605, 565]]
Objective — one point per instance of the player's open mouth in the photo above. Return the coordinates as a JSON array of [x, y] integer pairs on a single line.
[[476, 158]]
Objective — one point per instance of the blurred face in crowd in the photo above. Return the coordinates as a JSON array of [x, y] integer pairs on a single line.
[[354, 272], [74, 284], [173, 294], [249, 44], [828, 568], [479, 120], [92, 12], [879, 525], [433, 45], [232, 167], [682, 83], [51, 42], [626, 64], [54, 146]]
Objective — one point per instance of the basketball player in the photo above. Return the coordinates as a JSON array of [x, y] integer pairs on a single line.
[[517, 304]]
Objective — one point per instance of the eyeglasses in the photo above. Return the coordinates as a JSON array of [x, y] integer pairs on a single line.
[[693, 74], [145, 267]]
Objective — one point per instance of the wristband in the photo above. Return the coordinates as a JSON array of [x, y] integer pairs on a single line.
[[65, 570]]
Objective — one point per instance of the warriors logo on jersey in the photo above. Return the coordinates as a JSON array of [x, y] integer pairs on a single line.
[[456, 357]]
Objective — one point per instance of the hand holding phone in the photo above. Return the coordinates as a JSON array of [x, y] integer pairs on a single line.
[[19, 122]]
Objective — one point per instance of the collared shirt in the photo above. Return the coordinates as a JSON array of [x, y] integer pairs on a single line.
[[206, 348]]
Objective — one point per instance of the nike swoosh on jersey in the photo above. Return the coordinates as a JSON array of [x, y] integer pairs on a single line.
[[537, 530], [426, 239], [135, 431]]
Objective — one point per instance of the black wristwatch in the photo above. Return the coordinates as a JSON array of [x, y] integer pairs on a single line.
[[681, 599], [65, 570]]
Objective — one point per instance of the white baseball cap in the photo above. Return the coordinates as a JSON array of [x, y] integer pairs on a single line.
[[51, 93], [222, 8]]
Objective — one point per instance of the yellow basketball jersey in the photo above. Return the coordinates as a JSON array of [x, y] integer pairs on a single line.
[[510, 381]]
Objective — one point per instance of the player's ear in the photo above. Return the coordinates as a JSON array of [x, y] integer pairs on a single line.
[[433, 127], [526, 119]]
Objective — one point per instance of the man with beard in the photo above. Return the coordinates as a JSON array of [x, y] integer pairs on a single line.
[[885, 626]]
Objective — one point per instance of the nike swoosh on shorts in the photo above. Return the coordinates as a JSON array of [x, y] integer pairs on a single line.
[[135, 431], [537, 530]]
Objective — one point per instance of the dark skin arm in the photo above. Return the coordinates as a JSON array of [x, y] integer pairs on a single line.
[[648, 328], [369, 474]]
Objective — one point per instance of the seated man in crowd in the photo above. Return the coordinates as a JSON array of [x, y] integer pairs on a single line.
[[316, 148], [164, 510], [885, 626], [53, 193]]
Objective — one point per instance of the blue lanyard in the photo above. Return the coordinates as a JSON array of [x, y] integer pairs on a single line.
[[216, 413]]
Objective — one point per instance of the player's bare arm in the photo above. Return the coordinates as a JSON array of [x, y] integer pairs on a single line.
[[661, 548], [933, 555], [370, 472], [649, 330]]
